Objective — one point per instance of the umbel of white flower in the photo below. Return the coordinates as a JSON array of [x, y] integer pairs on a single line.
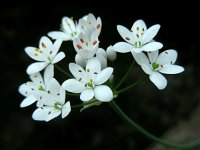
[[89, 82], [155, 64], [138, 39], [53, 103], [71, 29], [32, 90], [46, 54]]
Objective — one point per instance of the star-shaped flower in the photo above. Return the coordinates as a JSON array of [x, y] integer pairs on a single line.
[[53, 103], [46, 54], [156, 64], [69, 30], [89, 82], [138, 39], [89, 24], [32, 90]]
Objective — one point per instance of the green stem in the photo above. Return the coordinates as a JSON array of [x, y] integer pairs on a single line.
[[72, 94], [63, 71], [130, 86], [83, 104], [149, 135], [125, 76]]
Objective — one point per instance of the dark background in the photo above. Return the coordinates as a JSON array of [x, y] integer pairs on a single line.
[[98, 128]]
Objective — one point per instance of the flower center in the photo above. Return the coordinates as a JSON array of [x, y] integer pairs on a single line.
[[138, 44], [90, 84], [41, 88], [155, 66], [57, 106]]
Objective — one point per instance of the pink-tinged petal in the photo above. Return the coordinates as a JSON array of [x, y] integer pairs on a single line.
[[58, 57], [36, 67], [103, 76], [74, 86], [103, 93], [167, 57], [159, 80], [87, 95], [150, 33], [123, 47], [152, 46], [60, 35], [171, 69]]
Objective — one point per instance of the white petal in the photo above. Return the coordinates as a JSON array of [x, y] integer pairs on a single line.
[[150, 33], [167, 57], [147, 69], [87, 95], [112, 55], [68, 24], [94, 38], [41, 114], [171, 69], [78, 72], [98, 25], [62, 96], [102, 60], [36, 67], [101, 51], [74, 86], [35, 53], [59, 35], [103, 93], [137, 50], [139, 23], [140, 58], [93, 66], [123, 47], [159, 80], [58, 57], [37, 78], [28, 88], [28, 101], [48, 73], [56, 47], [66, 108], [54, 113], [53, 87], [153, 56], [45, 43], [80, 60], [152, 46], [125, 34], [103, 76]]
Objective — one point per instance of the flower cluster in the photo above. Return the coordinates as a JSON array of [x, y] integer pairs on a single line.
[[91, 77]]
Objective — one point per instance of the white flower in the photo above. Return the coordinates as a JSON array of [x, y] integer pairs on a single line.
[[111, 54], [89, 82], [86, 47], [46, 54], [54, 103], [89, 24], [138, 39], [69, 30], [33, 89], [156, 64]]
